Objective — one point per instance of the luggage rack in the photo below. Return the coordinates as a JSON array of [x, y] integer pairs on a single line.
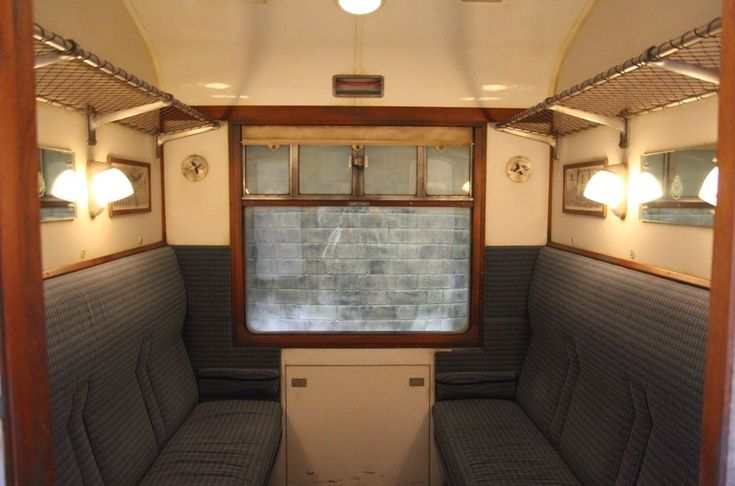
[[78, 80], [679, 71]]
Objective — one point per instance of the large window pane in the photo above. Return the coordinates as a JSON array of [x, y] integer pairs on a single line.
[[266, 170], [357, 269], [324, 169], [391, 170], [448, 171]]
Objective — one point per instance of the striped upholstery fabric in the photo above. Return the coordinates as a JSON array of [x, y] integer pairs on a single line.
[[508, 271], [494, 442], [224, 383], [208, 450], [120, 378], [639, 345], [453, 385], [612, 380], [208, 326]]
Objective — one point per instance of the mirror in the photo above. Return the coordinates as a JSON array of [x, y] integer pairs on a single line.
[[52, 162], [681, 173]]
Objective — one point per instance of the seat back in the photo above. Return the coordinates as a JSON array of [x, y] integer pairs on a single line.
[[120, 379], [615, 370]]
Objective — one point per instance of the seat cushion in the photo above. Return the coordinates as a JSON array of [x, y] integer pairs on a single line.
[[224, 443], [487, 442]]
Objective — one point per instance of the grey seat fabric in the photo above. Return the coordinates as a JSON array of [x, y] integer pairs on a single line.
[[227, 443], [613, 377], [493, 442], [121, 383]]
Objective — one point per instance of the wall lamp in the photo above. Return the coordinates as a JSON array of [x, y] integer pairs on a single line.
[[708, 191], [649, 188], [106, 184], [608, 187], [66, 186]]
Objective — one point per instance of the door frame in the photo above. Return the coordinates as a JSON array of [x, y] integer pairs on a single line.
[[719, 358], [26, 415]]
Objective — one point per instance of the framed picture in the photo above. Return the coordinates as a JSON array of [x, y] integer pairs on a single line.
[[576, 177], [139, 174]]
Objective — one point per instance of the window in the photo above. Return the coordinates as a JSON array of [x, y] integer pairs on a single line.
[[357, 235]]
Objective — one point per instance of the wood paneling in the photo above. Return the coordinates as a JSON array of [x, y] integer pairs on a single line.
[[26, 415], [718, 368], [550, 201], [75, 267], [356, 115], [640, 267]]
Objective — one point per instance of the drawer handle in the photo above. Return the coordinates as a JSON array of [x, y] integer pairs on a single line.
[[415, 382], [298, 382]]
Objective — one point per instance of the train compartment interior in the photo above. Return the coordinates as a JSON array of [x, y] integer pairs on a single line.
[[367, 242]]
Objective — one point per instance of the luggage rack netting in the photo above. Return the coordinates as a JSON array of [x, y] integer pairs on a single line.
[[78, 80], [635, 87]]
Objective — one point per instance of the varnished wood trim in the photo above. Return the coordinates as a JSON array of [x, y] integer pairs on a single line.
[[92, 262], [640, 267], [237, 273], [479, 186], [355, 340], [713, 468], [162, 168], [25, 402], [550, 195], [357, 115], [359, 202]]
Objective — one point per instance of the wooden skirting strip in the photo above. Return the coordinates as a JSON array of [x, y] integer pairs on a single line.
[[640, 267], [75, 267]]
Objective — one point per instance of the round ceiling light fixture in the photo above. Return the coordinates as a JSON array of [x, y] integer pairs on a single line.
[[359, 7]]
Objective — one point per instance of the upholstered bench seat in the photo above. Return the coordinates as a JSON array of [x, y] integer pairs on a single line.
[[609, 393], [226, 443], [471, 431], [126, 406]]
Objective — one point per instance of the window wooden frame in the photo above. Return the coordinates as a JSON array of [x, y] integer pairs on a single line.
[[425, 117]]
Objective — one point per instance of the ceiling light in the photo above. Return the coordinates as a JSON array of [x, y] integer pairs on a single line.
[[359, 7], [217, 85], [496, 87]]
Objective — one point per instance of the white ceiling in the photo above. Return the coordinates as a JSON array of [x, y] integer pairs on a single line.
[[284, 52]]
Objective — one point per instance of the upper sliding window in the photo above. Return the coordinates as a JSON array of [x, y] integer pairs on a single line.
[[354, 235]]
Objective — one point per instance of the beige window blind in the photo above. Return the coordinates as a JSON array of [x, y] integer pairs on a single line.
[[357, 135]]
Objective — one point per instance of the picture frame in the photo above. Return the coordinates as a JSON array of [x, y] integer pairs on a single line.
[[139, 174], [576, 177]]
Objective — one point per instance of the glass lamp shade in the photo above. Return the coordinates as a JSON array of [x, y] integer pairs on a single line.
[[360, 7], [605, 188], [110, 185], [708, 191], [66, 186], [649, 188]]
